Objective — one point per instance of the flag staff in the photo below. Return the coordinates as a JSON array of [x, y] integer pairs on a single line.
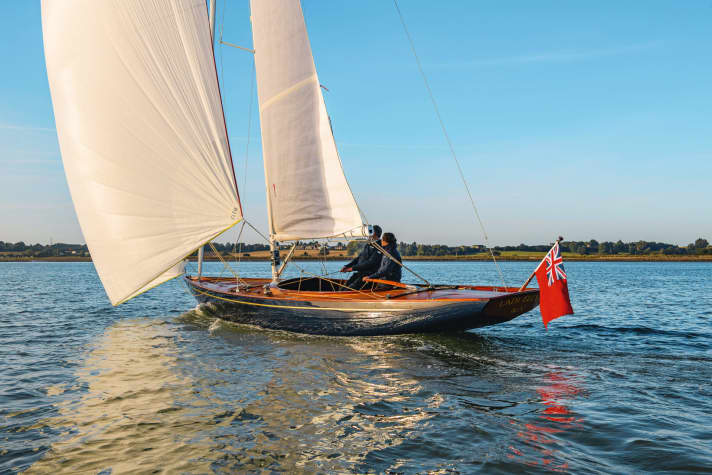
[[524, 285]]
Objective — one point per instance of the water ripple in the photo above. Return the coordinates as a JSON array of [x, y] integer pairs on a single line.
[[160, 384]]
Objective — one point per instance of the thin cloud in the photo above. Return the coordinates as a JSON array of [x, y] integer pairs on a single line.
[[20, 177], [25, 128], [31, 160], [391, 147], [553, 57], [37, 206], [242, 138]]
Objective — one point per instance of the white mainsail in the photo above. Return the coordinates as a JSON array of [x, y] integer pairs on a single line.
[[307, 193], [142, 133]]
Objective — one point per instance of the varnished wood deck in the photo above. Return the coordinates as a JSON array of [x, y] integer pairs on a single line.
[[461, 293]]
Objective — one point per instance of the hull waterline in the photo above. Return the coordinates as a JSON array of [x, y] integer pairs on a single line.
[[385, 312]]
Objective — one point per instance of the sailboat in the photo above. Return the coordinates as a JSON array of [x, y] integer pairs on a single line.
[[145, 149]]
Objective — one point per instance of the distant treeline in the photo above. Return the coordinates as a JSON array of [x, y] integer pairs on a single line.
[[699, 247], [62, 250], [59, 249], [80, 250], [229, 247], [233, 247]]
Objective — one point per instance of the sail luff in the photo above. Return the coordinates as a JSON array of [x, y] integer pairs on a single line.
[[142, 134], [307, 192], [222, 109]]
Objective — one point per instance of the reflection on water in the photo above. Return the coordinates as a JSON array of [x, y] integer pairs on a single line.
[[316, 414], [198, 395], [620, 387], [538, 441], [150, 403], [138, 413]]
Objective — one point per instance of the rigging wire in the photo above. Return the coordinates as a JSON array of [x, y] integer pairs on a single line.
[[222, 80], [247, 147], [322, 257], [226, 264], [387, 254], [249, 128], [447, 138], [249, 123], [222, 24], [257, 231], [304, 271], [237, 252], [238, 258]]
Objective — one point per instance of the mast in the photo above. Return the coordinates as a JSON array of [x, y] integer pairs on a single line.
[[273, 243], [201, 252], [212, 19], [211, 15], [274, 258], [308, 196]]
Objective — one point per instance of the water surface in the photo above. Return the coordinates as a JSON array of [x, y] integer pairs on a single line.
[[622, 386]]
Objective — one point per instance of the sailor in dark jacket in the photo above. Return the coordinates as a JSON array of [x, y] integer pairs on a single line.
[[389, 270], [366, 263]]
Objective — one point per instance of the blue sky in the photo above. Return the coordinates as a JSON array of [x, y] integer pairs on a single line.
[[586, 119]]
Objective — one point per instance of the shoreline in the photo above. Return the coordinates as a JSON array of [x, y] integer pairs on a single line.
[[705, 258]]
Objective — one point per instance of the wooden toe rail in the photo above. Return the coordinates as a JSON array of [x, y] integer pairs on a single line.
[[389, 282]]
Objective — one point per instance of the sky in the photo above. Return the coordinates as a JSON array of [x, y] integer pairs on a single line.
[[591, 120]]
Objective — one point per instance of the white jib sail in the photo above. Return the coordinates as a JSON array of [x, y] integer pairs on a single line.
[[141, 132], [307, 193]]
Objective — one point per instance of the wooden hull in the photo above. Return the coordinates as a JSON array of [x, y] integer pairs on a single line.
[[386, 312]]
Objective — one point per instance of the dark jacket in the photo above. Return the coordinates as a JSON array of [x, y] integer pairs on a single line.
[[367, 261], [389, 270]]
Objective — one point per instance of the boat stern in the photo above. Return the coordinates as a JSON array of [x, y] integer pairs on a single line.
[[506, 307]]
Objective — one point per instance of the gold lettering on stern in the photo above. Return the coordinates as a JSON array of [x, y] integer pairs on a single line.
[[516, 304]]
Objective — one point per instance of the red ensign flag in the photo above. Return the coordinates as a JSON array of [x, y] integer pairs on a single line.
[[553, 290]]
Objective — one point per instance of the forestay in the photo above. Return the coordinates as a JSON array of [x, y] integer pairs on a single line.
[[142, 134], [307, 193]]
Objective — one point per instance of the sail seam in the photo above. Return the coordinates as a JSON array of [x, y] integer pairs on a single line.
[[291, 237], [288, 91]]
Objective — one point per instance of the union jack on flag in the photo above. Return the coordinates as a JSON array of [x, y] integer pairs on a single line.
[[554, 265], [553, 287]]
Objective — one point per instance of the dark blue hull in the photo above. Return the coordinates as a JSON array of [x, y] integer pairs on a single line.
[[352, 318]]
